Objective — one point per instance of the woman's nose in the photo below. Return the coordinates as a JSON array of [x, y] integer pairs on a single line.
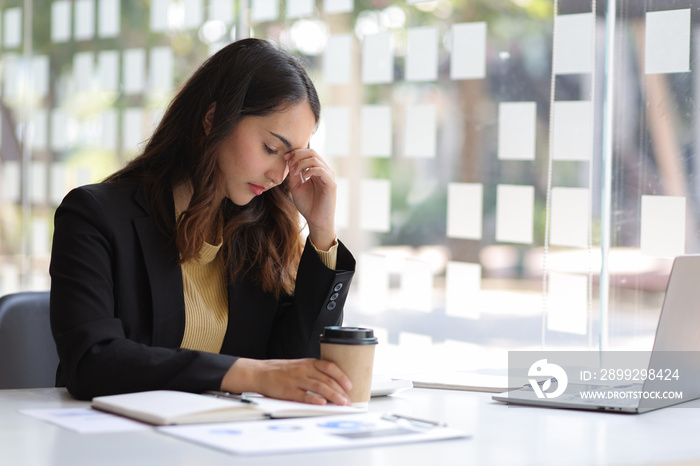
[[278, 172]]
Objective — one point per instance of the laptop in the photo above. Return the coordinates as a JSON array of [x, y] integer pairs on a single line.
[[674, 357]]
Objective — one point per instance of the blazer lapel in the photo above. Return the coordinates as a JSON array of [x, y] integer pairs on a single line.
[[165, 277]]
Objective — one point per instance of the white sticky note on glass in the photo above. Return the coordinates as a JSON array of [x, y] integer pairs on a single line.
[[159, 15], [337, 124], [468, 56], [155, 116], [375, 205], [337, 59], [422, 54], [58, 182], [342, 203], [109, 124], [570, 217], [132, 129], [12, 28], [567, 305], [11, 75], [465, 210], [265, 10], [299, 8], [11, 176], [108, 70], [84, 19], [373, 283], [420, 132], [662, 231], [667, 42], [108, 18], [573, 44], [9, 279], [83, 70], [89, 130], [40, 75], [377, 58], [39, 280], [376, 133], [514, 213], [134, 71], [572, 130], [193, 14], [416, 293], [161, 68], [60, 21], [59, 136], [516, 130], [338, 6], [38, 130], [38, 181], [221, 10], [462, 287], [41, 236], [83, 175], [318, 139]]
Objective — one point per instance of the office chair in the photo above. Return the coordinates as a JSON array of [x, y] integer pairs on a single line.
[[28, 357]]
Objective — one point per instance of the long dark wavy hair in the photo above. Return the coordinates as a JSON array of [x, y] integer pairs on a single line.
[[250, 77]]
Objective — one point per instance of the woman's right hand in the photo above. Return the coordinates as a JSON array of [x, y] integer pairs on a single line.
[[308, 380]]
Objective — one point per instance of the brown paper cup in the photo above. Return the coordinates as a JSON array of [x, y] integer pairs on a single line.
[[352, 349]]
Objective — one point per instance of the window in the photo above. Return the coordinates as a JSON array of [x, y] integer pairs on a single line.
[[511, 175]]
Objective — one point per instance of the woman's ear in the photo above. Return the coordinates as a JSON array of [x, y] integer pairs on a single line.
[[209, 118]]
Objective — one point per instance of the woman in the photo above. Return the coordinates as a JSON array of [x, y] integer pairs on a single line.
[[185, 270]]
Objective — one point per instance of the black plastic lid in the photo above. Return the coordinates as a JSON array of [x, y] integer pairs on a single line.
[[348, 336]]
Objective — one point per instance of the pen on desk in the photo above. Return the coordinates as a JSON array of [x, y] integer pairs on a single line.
[[232, 396], [412, 420]]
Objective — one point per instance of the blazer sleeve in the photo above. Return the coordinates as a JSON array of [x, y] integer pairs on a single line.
[[102, 352], [318, 301]]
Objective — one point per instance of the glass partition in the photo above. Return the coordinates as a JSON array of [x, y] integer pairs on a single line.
[[467, 170], [511, 175], [653, 212]]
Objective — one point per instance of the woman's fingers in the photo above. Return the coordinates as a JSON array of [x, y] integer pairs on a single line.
[[301, 160], [313, 399], [323, 175], [334, 373], [307, 168], [305, 380], [328, 381], [314, 188]]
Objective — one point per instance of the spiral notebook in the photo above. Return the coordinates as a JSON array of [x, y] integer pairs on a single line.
[[166, 407]]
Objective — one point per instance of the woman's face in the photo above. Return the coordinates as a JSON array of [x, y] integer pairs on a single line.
[[251, 158]]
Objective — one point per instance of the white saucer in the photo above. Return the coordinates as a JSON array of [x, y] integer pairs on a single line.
[[382, 386]]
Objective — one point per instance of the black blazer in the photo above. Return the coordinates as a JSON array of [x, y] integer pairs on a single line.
[[118, 311]]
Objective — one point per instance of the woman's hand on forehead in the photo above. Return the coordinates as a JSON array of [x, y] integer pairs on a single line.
[[313, 187]]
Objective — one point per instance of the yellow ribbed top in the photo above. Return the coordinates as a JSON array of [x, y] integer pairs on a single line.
[[206, 300], [330, 257], [206, 297], [204, 284]]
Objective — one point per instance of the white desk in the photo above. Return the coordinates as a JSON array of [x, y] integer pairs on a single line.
[[501, 435]]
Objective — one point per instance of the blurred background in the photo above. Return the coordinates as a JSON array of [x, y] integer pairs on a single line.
[[513, 174]]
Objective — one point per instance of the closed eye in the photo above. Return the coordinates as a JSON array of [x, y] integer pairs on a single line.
[[269, 149]]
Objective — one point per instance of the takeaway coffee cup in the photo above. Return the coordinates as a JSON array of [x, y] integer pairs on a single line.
[[352, 349]]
